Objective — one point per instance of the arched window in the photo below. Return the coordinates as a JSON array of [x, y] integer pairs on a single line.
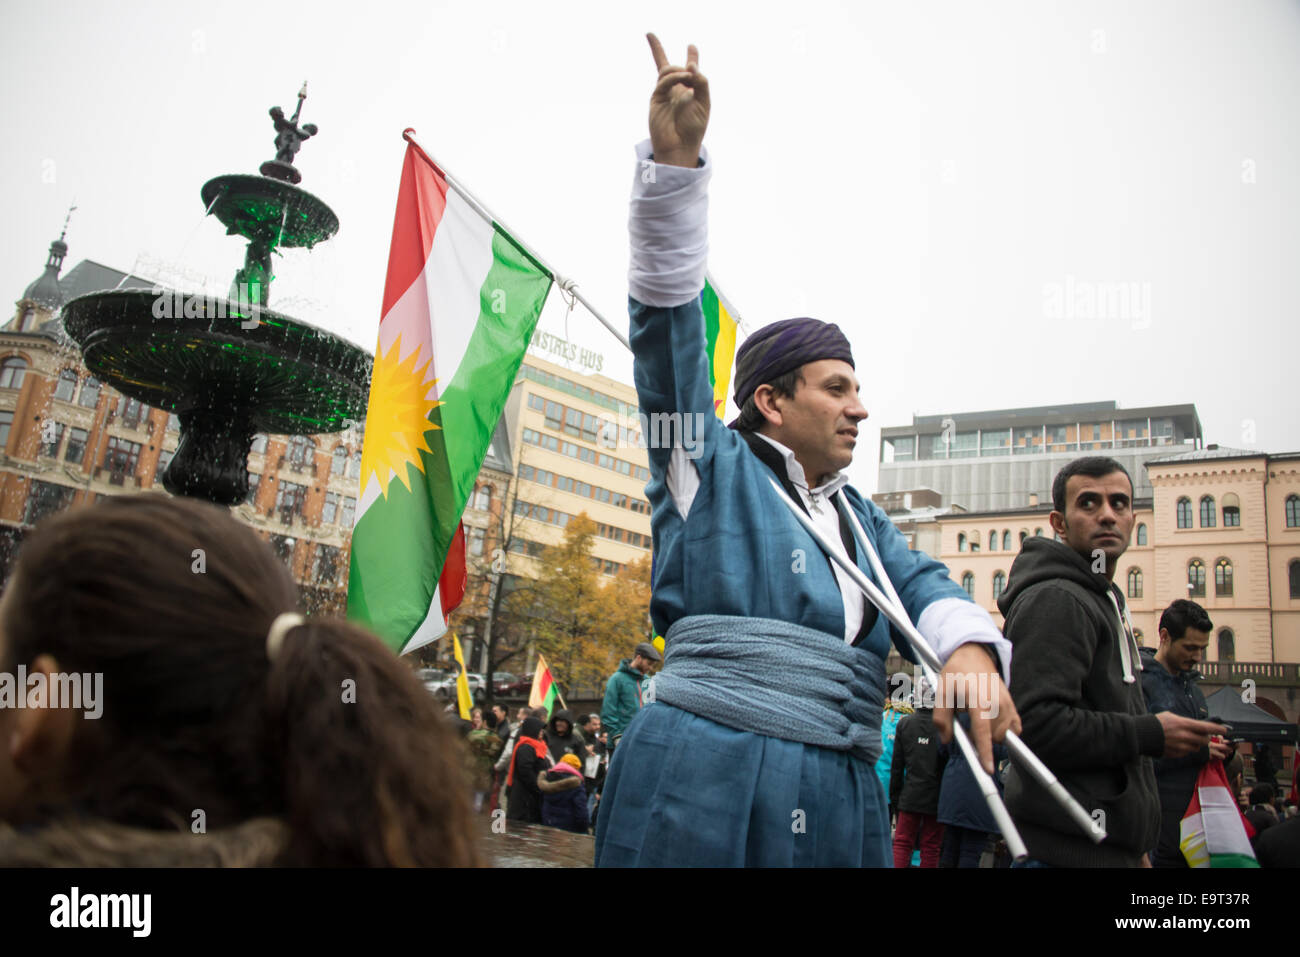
[[1227, 645], [339, 460], [1142, 533], [1135, 583], [1207, 511], [1006, 539], [968, 581], [1184, 513], [1038, 533], [1196, 578], [961, 541], [1293, 511], [993, 540], [300, 451], [1293, 574], [12, 371], [1024, 533], [1223, 577], [999, 583], [259, 440], [1231, 511], [483, 498], [66, 387]]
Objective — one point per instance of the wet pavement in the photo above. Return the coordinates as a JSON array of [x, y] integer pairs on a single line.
[[532, 845]]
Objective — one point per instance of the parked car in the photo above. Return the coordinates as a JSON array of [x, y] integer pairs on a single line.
[[501, 679], [518, 687], [446, 688], [432, 678]]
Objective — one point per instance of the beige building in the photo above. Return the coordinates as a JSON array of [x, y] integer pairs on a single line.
[[578, 449]]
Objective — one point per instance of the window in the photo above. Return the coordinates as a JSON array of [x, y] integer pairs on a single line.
[[51, 436], [339, 460], [1135, 583], [1196, 578], [1023, 535], [483, 498], [301, 451], [121, 459], [1222, 577], [475, 541], [1293, 575], [993, 540], [46, 498], [554, 415], [999, 583], [1142, 534], [283, 547], [1231, 516], [76, 449], [254, 482], [564, 483], [67, 386], [89, 397], [12, 371], [349, 512], [1207, 511], [325, 566], [1038, 533], [904, 449], [354, 465], [131, 411], [961, 541], [164, 460], [536, 402], [259, 440], [330, 510], [1293, 511], [173, 422], [1184, 513], [1006, 540], [968, 583], [975, 544], [1227, 645], [1026, 440], [289, 499]]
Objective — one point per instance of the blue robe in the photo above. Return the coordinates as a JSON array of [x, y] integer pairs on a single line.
[[683, 790]]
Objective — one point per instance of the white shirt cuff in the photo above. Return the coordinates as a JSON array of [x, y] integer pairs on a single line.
[[951, 622], [668, 228]]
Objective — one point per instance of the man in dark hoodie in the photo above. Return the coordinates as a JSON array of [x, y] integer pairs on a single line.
[[562, 738], [1169, 678], [1074, 680]]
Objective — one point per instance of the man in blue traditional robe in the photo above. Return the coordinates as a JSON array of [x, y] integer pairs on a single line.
[[759, 744]]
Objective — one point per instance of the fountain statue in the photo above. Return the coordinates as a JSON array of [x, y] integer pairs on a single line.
[[230, 368]]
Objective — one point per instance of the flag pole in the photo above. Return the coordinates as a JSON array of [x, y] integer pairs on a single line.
[[567, 286]]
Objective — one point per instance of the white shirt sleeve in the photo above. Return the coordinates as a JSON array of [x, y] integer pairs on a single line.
[[668, 233], [950, 622], [668, 230]]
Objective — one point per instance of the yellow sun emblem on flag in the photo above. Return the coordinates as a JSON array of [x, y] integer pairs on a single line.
[[397, 418]]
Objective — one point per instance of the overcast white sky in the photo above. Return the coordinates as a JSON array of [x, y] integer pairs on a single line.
[[931, 175]]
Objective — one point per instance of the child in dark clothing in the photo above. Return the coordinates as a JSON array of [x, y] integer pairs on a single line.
[[564, 800]]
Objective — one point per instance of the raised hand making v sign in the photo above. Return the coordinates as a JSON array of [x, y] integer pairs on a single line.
[[679, 108]]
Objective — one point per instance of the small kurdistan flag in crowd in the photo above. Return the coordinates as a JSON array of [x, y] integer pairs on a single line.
[[544, 692], [460, 304]]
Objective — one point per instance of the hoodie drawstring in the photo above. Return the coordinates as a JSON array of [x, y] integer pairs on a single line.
[[1128, 650]]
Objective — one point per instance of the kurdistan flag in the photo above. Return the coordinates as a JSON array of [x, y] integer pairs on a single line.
[[720, 322], [460, 304], [1213, 831], [544, 691]]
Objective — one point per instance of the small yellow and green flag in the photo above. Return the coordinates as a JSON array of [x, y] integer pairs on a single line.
[[464, 700], [720, 324]]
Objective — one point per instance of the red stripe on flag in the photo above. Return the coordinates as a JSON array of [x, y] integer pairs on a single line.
[[455, 574], [421, 201], [544, 684]]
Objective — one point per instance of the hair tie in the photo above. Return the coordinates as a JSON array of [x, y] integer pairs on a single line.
[[279, 628]]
